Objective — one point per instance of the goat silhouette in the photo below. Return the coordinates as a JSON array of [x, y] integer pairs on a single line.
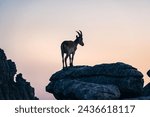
[[69, 47]]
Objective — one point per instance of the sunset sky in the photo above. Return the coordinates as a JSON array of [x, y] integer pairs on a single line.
[[31, 32]]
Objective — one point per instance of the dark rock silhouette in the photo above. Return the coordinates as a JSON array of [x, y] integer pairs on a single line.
[[9, 88], [140, 98], [74, 89], [77, 82], [146, 91], [148, 73]]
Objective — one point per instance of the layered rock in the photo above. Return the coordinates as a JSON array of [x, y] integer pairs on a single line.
[[12, 88], [74, 89], [122, 77]]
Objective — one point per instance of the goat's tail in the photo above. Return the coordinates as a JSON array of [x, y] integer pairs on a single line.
[[62, 54]]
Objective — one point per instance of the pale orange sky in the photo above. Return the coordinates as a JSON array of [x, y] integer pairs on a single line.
[[31, 32]]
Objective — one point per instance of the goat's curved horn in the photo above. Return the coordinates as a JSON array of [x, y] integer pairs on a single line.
[[78, 33]]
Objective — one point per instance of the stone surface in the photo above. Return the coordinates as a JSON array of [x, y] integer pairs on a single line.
[[74, 89], [12, 88], [127, 78], [140, 98], [148, 73], [146, 90]]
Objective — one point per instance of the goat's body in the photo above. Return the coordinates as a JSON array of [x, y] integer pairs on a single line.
[[69, 48]]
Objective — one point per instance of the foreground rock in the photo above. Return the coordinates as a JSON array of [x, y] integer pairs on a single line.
[[146, 90], [74, 89], [148, 73], [9, 89], [70, 83], [140, 98]]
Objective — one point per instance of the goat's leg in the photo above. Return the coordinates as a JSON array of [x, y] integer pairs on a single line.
[[70, 60], [66, 60], [62, 54]]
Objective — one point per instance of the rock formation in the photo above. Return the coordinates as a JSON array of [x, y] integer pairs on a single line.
[[11, 88], [104, 81], [148, 73], [146, 91], [74, 89]]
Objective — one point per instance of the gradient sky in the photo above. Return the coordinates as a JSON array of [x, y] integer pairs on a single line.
[[31, 32]]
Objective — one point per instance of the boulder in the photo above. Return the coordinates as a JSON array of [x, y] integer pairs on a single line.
[[12, 88], [140, 98], [127, 78], [74, 89], [146, 90], [148, 73]]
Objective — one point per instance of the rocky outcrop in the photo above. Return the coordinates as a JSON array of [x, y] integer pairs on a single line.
[[148, 73], [74, 89], [12, 88], [105, 81], [146, 91]]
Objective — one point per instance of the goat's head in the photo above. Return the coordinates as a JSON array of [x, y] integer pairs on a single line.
[[80, 38]]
